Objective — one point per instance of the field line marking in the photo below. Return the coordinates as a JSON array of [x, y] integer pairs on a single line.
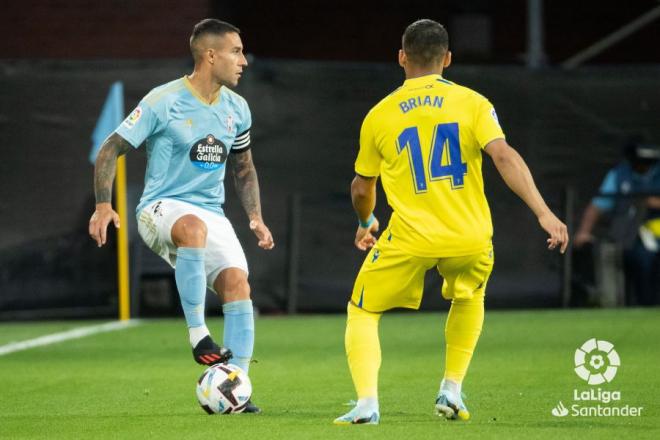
[[75, 333]]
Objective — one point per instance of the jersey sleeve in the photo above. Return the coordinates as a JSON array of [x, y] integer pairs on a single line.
[[487, 126], [139, 125], [242, 141], [368, 160], [607, 187]]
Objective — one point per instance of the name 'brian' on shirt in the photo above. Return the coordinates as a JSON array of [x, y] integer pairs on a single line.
[[419, 101]]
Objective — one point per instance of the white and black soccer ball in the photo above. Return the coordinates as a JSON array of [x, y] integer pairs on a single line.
[[224, 389]]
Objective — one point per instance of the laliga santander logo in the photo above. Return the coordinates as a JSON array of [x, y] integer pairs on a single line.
[[596, 361]]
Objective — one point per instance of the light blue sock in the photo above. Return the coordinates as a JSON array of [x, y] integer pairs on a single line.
[[239, 332], [191, 284]]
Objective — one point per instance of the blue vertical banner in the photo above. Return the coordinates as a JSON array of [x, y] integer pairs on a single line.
[[111, 116]]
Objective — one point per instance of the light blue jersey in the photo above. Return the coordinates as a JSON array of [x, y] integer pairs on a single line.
[[188, 142], [622, 181]]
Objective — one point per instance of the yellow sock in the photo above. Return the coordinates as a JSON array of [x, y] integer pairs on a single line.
[[363, 350], [462, 331]]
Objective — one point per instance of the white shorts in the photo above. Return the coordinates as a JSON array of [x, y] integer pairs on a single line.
[[223, 249]]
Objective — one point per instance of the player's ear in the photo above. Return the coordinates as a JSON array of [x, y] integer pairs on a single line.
[[447, 60], [402, 58]]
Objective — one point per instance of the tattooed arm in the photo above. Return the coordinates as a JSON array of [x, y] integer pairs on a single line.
[[104, 175], [247, 186], [247, 183]]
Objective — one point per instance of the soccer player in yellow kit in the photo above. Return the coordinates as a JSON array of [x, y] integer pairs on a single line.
[[425, 141]]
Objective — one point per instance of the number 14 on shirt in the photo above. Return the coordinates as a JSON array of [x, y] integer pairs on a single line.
[[445, 136]]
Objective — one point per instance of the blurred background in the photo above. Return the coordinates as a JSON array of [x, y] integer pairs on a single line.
[[572, 83]]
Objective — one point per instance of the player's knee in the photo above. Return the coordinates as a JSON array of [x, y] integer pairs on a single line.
[[353, 311], [236, 289], [189, 231], [468, 298]]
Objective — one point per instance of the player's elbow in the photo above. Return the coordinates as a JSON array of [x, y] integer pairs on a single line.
[[360, 189], [500, 151], [109, 151], [357, 192], [506, 158], [106, 153]]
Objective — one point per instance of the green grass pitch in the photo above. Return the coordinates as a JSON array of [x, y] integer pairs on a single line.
[[139, 382]]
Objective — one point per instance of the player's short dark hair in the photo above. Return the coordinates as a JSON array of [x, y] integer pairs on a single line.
[[211, 26], [425, 42]]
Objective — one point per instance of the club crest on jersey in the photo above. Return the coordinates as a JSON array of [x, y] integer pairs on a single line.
[[208, 153]]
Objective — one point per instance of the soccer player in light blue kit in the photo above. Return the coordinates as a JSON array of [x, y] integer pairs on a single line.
[[192, 127]]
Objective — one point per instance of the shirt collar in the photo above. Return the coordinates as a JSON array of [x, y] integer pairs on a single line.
[[421, 80]]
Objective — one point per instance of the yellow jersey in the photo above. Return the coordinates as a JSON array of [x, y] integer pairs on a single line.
[[425, 141]]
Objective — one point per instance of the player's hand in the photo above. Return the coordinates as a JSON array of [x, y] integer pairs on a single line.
[[582, 238], [263, 234], [98, 223], [557, 231], [364, 238], [653, 202]]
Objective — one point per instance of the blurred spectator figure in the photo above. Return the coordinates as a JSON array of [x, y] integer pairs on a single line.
[[630, 196]]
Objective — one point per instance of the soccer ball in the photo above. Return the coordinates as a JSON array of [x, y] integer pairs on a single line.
[[224, 389]]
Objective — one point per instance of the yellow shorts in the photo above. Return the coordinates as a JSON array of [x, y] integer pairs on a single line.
[[390, 278]]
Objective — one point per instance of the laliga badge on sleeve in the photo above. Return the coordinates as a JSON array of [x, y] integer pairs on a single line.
[[494, 115], [133, 117]]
